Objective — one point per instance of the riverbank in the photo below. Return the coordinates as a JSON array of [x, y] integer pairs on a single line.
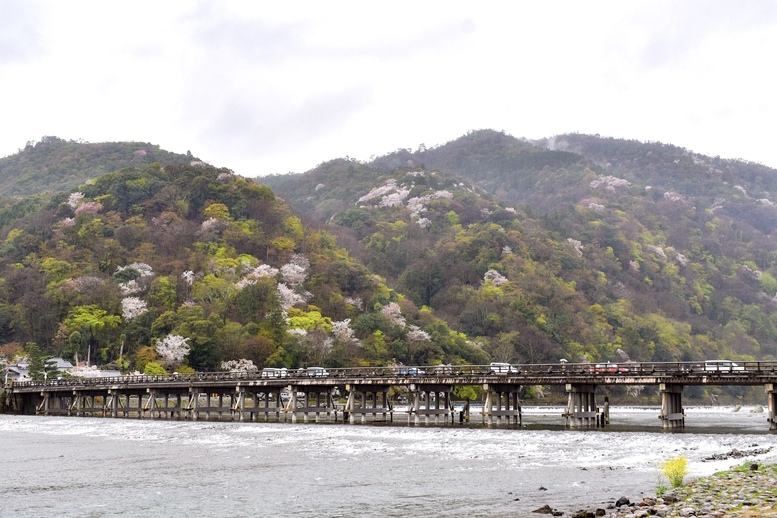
[[748, 490]]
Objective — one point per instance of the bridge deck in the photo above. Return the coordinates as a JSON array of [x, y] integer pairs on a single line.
[[139, 395]]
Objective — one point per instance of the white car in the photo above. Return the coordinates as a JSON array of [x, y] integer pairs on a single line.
[[316, 372], [502, 368], [271, 372]]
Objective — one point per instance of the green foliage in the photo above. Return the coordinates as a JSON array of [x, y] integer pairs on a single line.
[[36, 362], [53, 164], [494, 247], [154, 369], [467, 392]]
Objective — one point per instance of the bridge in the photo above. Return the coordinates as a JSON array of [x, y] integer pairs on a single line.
[[283, 394]]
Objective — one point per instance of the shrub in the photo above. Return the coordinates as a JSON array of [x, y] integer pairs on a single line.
[[675, 470]]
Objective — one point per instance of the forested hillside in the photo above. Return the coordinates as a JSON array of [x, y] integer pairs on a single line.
[[485, 248], [53, 164], [164, 265], [581, 250]]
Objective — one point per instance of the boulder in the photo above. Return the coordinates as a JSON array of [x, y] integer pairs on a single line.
[[622, 501]]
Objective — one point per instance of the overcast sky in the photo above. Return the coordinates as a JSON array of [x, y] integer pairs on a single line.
[[264, 88]]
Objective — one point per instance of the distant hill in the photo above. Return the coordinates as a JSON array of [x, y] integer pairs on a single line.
[[53, 164], [488, 247], [576, 246]]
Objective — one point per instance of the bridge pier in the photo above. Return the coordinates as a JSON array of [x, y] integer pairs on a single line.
[[192, 408], [52, 404], [195, 409], [430, 401], [315, 400], [771, 399], [263, 400], [356, 405], [86, 403], [582, 411], [502, 401], [672, 413]]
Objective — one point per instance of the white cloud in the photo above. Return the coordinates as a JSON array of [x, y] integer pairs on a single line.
[[275, 88]]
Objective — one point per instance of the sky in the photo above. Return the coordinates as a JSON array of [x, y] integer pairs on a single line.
[[276, 87]]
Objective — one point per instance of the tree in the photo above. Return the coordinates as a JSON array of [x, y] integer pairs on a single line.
[[172, 349], [40, 367], [154, 369], [90, 321], [36, 365]]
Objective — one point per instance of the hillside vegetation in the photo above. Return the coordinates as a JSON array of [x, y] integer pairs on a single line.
[[485, 248], [53, 164], [589, 250], [190, 266]]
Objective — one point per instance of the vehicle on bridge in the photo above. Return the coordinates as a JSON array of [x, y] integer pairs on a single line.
[[609, 368], [501, 368], [270, 372], [411, 371], [722, 366], [316, 372]]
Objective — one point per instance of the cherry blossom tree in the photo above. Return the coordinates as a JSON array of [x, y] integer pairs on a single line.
[[89, 207], [133, 307], [296, 270], [393, 313], [343, 333], [416, 334], [496, 278], [130, 287], [188, 277], [355, 302], [293, 274], [288, 297], [172, 349], [74, 199], [241, 365], [85, 371]]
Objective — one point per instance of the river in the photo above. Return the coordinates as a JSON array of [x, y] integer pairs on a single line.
[[99, 467]]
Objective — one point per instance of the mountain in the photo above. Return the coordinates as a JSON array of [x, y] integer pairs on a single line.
[[188, 263], [488, 247], [53, 164], [578, 246]]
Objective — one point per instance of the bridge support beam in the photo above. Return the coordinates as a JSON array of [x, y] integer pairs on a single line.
[[430, 401], [771, 398], [581, 411], [672, 413], [502, 402], [307, 399], [357, 405]]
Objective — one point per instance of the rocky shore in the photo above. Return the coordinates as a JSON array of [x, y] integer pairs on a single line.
[[749, 490]]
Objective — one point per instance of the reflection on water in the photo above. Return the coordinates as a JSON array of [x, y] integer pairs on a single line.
[[130, 467]]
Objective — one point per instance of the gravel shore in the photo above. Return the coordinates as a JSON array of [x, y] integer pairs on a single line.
[[748, 490]]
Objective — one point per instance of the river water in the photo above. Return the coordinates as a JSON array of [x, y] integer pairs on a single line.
[[96, 467]]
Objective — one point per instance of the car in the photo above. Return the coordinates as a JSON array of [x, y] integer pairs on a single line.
[[501, 369], [722, 366], [270, 372], [316, 372], [411, 371], [608, 368], [442, 370]]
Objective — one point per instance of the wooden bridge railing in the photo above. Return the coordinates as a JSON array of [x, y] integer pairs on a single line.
[[552, 371]]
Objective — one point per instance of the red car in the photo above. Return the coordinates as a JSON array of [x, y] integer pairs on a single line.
[[608, 368]]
